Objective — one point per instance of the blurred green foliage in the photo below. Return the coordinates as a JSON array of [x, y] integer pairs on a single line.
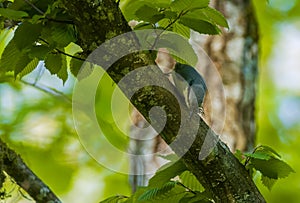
[[271, 130]]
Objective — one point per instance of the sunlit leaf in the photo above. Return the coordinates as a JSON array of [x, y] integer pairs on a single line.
[[12, 14], [268, 182], [272, 168], [183, 5], [8, 59], [181, 29], [258, 155], [168, 171], [149, 14], [159, 193], [190, 181]]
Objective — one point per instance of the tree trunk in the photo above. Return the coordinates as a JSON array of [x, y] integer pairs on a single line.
[[234, 54]]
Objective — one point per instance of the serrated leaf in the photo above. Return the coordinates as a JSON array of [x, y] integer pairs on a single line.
[[155, 193], [170, 14], [184, 5], [268, 182], [75, 66], [12, 14], [200, 26], [215, 16], [181, 29], [22, 62], [53, 62], [258, 155], [166, 172], [129, 7], [114, 199], [39, 52], [62, 35], [268, 150], [272, 168], [8, 59], [189, 180], [63, 73], [29, 68], [26, 34], [149, 14], [5, 37]]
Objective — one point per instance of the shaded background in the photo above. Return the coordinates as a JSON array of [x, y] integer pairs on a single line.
[[37, 122]]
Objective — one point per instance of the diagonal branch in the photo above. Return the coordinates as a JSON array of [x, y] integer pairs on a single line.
[[14, 166], [220, 172]]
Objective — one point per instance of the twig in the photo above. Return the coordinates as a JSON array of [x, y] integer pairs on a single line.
[[48, 90], [43, 13], [167, 27], [33, 6], [62, 52]]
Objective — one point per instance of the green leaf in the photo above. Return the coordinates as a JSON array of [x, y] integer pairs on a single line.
[[26, 34], [170, 14], [53, 62], [181, 29], [157, 193], [258, 155], [39, 51], [62, 35], [181, 50], [129, 7], [214, 16], [12, 14], [166, 172], [184, 5], [200, 26], [57, 64], [170, 157], [149, 14], [267, 150], [268, 182], [114, 199], [8, 59], [239, 155], [29, 68], [189, 180], [22, 62], [75, 66], [5, 36], [143, 25], [63, 73], [272, 168]]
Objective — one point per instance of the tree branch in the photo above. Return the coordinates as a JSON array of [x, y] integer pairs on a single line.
[[14, 166], [220, 172]]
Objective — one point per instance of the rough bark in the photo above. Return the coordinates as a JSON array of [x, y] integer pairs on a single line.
[[220, 172], [14, 166], [235, 54]]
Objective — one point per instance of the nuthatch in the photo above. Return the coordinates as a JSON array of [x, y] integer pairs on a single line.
[[191, 84]]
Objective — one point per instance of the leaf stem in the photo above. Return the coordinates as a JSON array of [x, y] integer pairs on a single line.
[[62, 52]]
